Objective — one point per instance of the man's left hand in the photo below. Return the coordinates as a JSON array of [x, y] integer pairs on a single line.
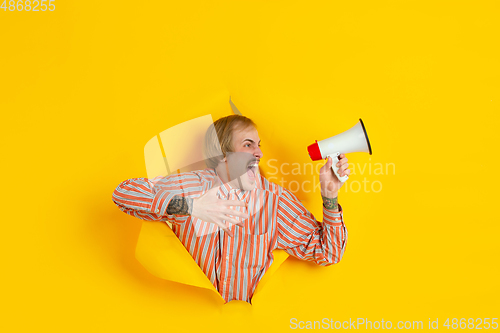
[[330, 185]]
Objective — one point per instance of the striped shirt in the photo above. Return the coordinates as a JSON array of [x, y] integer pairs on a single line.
[[234, 265]]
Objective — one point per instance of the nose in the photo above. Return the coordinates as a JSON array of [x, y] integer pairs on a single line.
[[258, 153]]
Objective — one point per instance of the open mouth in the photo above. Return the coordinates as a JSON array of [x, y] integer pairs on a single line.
[[252, 169]]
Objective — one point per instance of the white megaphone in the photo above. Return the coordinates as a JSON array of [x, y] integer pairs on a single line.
[[353, 140]]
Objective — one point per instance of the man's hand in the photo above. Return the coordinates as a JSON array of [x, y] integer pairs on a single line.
[[211, 209], [330, 185]]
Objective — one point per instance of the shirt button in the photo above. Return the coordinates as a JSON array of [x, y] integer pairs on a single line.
[[224, 282], [227, 258]]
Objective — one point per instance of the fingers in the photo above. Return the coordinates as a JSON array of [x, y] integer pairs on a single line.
[[342, 160], [224, 227], [344, 173], [223, 224], [343, 170], [234, 212], [232, 220], [233, 203], [229, 216], [343, 166]]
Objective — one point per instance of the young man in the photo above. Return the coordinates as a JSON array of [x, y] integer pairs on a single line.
[[230, 218]]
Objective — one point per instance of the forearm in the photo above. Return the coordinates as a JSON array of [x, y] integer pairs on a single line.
[[139, 197], [334, 234], [334, 231], [301, 235], [180, 206], [323, 244]]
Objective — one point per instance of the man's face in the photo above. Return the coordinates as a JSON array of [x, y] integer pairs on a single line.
[[243, 162]]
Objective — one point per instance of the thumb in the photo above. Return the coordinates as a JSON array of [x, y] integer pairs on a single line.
[[329, 162]]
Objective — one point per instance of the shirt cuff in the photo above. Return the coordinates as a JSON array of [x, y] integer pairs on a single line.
[[161, 201], [333, 218]]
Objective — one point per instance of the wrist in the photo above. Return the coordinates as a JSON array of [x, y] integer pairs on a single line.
[[330, 203]]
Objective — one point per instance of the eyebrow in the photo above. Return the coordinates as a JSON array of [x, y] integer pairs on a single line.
[[249, 140]]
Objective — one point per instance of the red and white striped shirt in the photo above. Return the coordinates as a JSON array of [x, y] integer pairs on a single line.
[[234, 265]]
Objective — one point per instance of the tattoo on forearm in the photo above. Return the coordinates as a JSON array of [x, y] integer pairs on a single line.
[[330, 203], [180, 206]]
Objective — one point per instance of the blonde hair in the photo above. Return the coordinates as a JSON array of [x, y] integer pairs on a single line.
[[221, 132]]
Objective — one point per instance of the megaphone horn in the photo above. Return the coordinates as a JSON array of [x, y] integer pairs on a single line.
[[353, 140]]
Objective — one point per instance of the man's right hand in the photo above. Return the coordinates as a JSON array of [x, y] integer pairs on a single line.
[[211, 209]]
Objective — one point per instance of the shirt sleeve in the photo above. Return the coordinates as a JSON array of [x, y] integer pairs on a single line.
[[148, 199], [302, 236]]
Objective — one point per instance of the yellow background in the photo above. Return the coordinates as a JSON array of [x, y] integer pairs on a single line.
[[84, 87]]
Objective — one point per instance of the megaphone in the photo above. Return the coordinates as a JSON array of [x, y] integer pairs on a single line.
[[353, 140]]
